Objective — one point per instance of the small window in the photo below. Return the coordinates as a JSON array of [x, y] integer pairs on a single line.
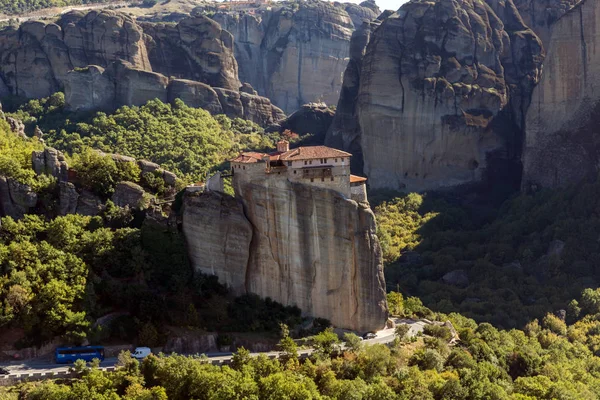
[[312, 179], [310, 162], [244, 167], [289, 163], [294, 171], [305, 162], [322, 179], [325, 161], [336, 160], [332, 179]]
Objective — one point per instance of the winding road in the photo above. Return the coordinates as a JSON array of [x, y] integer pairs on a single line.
[[38, 368]]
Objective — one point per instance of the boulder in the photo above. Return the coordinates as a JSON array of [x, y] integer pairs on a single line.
[[312, 118], [68, 198], [51, 162], [129, 194], [457, 277], [89, 204], [15, 198], [147, 166], [439, 97], [561, 141], [170, 178], [195, 94]]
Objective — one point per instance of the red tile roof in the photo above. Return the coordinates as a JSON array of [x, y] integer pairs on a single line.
[[298, 154], [357, 179], [312, 152], [249, 157]]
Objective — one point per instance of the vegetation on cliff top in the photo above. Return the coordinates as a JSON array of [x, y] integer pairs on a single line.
[[184, 140]]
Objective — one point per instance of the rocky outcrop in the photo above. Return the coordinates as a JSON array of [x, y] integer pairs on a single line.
[[68, 198], [344, 132], [50, 162], [97, 88], [312, 118], [196, 48], [297, 244], [35, 59], [293, 56], [129, 194], [540, 15], [103, 60], [562, 142], [16, 198], [442, 94], [218, 237]]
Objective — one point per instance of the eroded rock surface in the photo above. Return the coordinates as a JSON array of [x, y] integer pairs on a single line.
[[104, 59], [294, 56], [297, 244], [218, 237], [442, 94], [562, 144]]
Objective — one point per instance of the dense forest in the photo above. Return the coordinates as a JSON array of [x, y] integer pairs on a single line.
[[546, 360], [506, 264]]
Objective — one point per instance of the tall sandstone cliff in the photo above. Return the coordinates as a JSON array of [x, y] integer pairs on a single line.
[[104, 59], [441, 94], [296, 55], [562, 144], [297, 244]]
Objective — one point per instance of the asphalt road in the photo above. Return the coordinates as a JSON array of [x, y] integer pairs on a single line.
[[45, 368]]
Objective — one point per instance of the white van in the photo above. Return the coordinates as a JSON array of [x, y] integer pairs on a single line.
[[141, 352]]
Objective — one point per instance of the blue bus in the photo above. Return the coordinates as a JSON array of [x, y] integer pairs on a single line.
[[66, 355]]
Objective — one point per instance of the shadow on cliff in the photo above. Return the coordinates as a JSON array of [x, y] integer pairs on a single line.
[[491, 259]]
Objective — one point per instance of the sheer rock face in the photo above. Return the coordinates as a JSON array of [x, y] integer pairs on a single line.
[[103, 60], [15, 198], [196, 48], [35, 59], [442, 92], [218, 237], [294, 56], [344, 132], [297, 244], [562, 144], [539, 15]]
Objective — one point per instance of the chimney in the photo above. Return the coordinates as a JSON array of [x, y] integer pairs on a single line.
[[283, 146]]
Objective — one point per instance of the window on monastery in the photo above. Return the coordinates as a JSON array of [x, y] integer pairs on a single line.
[[310, 162], [305, 162], [289, 163], [336, 160], [322, 179], [244, 167], [332, 179], [312, 179]]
